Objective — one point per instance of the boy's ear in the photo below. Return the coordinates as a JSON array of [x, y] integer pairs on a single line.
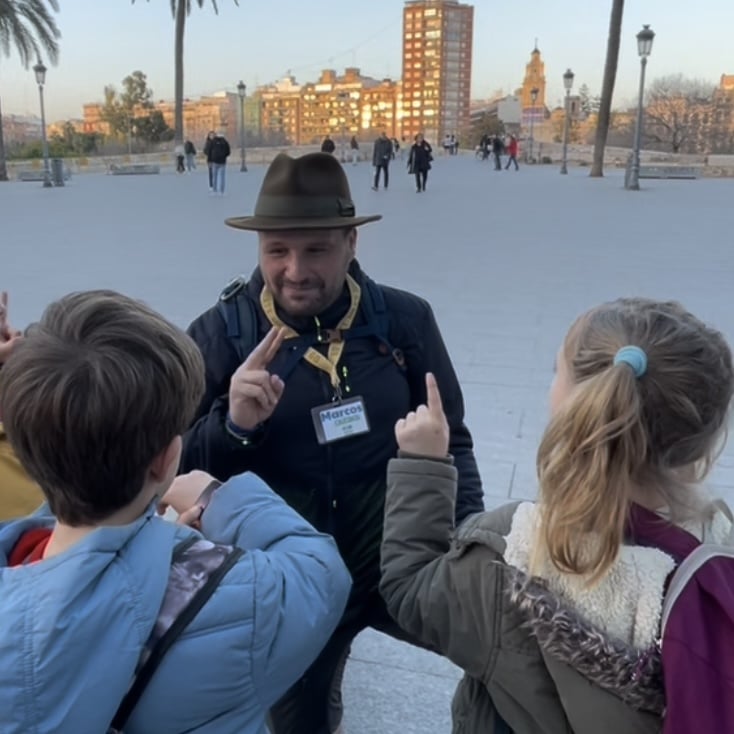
[[165, 464]]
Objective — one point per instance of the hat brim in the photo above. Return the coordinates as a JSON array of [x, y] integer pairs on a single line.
[[277, 224]]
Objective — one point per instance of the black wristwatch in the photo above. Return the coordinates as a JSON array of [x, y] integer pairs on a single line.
[[205, 498]]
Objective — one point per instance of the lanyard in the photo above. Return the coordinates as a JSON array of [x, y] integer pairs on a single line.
[[334, 337]]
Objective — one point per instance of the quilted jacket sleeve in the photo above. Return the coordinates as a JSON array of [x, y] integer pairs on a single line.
[[301, 582], [448, 595]]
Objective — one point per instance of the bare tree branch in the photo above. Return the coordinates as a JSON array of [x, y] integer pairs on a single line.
[[673, 103]]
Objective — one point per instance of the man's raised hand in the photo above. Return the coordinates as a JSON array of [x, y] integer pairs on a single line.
[[253, 392], [425, 432]]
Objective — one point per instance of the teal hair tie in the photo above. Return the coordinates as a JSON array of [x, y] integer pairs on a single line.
[[634, 357]]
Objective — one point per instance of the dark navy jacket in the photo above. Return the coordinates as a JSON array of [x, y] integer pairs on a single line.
[[339, 487]]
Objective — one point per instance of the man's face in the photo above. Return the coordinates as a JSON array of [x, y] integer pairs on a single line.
[[305, 270]]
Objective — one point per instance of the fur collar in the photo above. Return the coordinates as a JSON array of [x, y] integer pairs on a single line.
[[632, 674], [626, 604]]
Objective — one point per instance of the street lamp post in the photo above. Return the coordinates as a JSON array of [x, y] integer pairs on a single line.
[[534, 97], [242, 91], [40, 71], [568, 84], [644, 47]]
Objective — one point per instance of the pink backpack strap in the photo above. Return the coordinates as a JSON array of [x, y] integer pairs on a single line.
[[646, 528]]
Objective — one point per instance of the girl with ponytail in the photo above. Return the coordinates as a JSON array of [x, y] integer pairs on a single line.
[[553, 608]]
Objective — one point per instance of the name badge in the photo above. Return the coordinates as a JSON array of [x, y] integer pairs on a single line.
[[340, 420]]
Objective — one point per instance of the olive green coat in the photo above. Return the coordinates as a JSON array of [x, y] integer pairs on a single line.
[[448, 589]]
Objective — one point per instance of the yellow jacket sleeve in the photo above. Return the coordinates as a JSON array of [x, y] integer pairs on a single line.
[[19, 494]]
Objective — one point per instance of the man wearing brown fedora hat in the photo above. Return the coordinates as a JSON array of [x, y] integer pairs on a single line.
[[313, 410]]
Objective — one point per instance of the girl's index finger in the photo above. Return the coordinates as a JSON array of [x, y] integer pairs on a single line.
[[434, 402]]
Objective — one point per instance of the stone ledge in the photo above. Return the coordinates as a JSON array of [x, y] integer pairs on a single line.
[[661, 171], [134, 170], [30, 175]]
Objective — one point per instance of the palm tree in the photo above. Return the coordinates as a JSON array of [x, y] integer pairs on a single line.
[[29, 26], [180, 9], [607, 88]]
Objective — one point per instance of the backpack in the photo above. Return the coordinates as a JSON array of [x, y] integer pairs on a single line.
[[240, 316], [197, 568], [697, 636]]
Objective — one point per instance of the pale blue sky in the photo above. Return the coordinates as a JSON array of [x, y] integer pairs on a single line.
[[104, 40]]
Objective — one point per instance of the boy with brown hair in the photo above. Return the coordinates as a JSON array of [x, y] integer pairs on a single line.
[[94, 401]]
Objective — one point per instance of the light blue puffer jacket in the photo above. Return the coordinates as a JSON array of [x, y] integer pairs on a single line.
[[72, 626]]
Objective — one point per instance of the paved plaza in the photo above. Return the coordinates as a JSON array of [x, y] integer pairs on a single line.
[[506, 259]]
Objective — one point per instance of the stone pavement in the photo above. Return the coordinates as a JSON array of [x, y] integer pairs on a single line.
[[507, 260]]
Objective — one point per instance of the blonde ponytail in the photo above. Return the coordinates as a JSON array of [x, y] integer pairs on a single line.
[[646, 428], [591, 455]]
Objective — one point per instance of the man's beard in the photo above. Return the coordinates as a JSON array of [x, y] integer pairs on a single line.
[[305, 299]]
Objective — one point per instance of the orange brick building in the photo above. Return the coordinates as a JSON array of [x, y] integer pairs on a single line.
[[437, 66], [339, 106]]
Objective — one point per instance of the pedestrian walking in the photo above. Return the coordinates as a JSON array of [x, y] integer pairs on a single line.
[[220, 151], [419, 161], [208, 154], [190, 152], [382, 153], [178, 152], [513, 148]]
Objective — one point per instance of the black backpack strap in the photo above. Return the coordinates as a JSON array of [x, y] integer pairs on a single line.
[[240, 317], [375, 311], [378, 318], [197, 568]]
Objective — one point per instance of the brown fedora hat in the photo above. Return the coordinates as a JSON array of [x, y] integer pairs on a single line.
[[310, 192]]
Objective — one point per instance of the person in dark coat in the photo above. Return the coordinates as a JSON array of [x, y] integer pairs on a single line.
[[190, 152], [208, 154], [315, 417], [419, 161], [382, 154], [484, 145], [327, 146], [498, 148], [354, 147], [219, 151]]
